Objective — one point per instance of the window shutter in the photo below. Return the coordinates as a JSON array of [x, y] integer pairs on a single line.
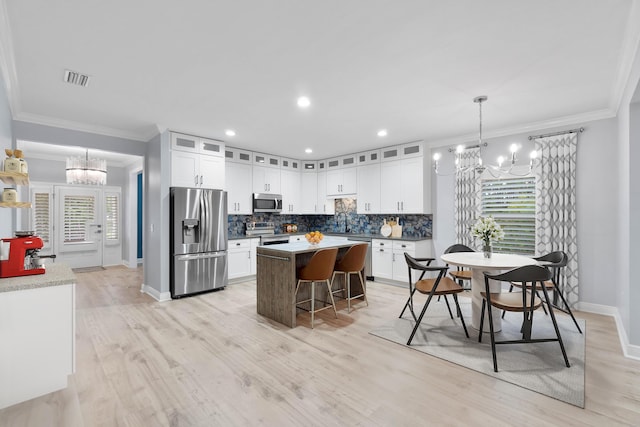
[[112, 217], [41, 215], [512, 202], [78, 211]]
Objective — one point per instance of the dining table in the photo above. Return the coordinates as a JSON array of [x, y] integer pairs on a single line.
[[478, 264]]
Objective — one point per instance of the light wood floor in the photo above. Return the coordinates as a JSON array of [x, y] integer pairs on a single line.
[[212, 361]]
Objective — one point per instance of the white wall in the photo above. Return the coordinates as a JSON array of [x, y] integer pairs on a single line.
[[6, 141], [156, 217], [53, 171], [596, 195]]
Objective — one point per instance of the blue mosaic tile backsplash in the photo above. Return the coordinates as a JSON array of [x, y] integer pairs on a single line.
[[346, 219]]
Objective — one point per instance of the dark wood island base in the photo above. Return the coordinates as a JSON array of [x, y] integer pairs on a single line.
[[276, 277]]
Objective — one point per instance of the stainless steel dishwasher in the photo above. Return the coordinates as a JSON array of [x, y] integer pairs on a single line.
[[367, 262]]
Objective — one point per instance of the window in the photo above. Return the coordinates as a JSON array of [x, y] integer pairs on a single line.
[[41, 215], [112, 217], [78, 212], [512, 202]]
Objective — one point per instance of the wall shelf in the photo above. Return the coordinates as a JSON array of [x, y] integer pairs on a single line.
[[15, 205], [14, 178]]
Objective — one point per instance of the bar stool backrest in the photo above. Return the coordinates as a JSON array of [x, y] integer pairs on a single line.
[[320, 266], [354, 259]]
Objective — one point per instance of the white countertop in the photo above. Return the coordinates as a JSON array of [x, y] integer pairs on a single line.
[[55, 275], [304, 246]]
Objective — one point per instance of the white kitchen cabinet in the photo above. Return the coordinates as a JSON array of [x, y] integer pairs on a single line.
[[326, 206], [388, 262], [196, 144], [254, 255], [405, 186], [239, 187], [290, 188], [369, 188], [266, 160], [196, 162], [266, 180], [404, 151], [238, 155], [368, 157], [239, 258], [309, 192], [196, 170], [37, 341], [382, 259], [342, 182]]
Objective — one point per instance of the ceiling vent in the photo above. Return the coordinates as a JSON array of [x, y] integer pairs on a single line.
[[76, 78]]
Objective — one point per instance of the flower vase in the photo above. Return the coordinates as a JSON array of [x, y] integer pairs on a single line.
[[486, 249]]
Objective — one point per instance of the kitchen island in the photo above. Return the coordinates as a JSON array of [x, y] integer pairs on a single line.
[[37, 334], [276, 277]]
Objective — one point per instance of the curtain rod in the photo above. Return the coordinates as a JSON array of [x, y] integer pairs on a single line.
[[452, 149], [577, 130]]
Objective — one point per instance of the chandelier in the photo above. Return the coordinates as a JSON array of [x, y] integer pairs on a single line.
[[479, 166], [85, 170]]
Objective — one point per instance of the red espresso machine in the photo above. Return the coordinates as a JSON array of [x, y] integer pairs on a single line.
[[17, 260]]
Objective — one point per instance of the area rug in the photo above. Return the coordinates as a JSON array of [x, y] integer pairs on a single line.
[[87, 269], [538, 367]]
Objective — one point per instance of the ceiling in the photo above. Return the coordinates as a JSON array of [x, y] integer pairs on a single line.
[[411, 67], [44, 151]]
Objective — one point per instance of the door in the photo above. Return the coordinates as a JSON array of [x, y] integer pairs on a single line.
[[79, 228]]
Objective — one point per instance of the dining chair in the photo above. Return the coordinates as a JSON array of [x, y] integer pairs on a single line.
[[460, 274], [351, 263], [440, 286], [318, 269], [529, 278], [555, 262]]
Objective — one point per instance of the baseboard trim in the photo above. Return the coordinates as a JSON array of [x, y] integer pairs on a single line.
[[630, 351], [155, 294]]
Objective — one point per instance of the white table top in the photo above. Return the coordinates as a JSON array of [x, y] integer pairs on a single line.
[[496, 262]]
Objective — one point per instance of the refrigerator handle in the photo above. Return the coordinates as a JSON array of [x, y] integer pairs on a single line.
[[191, 257]]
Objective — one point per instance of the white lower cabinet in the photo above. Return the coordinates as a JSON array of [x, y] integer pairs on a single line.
[[37, 342], [254, 254], [388, 261], [239, 258]]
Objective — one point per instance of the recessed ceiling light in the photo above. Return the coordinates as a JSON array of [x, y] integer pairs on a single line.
[[382, 132], [230, 132], [308, 150], [304, 102]]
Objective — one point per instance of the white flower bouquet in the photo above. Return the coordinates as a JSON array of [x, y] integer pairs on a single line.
[[488, 230]]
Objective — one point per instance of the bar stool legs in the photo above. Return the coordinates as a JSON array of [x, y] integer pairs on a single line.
[[312, 298], [347, 280]]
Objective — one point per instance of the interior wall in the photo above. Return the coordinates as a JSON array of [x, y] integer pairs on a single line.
[[156, 217], [53, 171], [632, 316], [6, 141], [596, 200], [60, 136]]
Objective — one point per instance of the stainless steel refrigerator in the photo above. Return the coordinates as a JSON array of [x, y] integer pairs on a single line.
[[198, 240]]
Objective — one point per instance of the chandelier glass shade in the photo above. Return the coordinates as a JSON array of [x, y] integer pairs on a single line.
[[85, 170], [479, 167]]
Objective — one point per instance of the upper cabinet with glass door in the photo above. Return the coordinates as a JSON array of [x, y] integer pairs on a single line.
[[196, 162]]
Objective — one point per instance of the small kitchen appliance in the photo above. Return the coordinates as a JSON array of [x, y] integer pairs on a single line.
[[17, 259]]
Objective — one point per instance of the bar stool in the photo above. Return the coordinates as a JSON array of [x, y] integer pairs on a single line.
[[352, 263], [318, 269]]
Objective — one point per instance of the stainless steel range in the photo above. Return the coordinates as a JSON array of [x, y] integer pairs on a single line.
[[267, 233]]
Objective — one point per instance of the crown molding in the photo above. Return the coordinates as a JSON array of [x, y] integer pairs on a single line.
[[630, 48], [527, 128], [82, 127], [7, 61]]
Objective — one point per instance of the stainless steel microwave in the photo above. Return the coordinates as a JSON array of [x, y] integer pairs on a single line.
[[265, 202]]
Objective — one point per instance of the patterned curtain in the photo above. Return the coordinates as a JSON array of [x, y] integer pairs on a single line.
[[556, 226], [467, 198]]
